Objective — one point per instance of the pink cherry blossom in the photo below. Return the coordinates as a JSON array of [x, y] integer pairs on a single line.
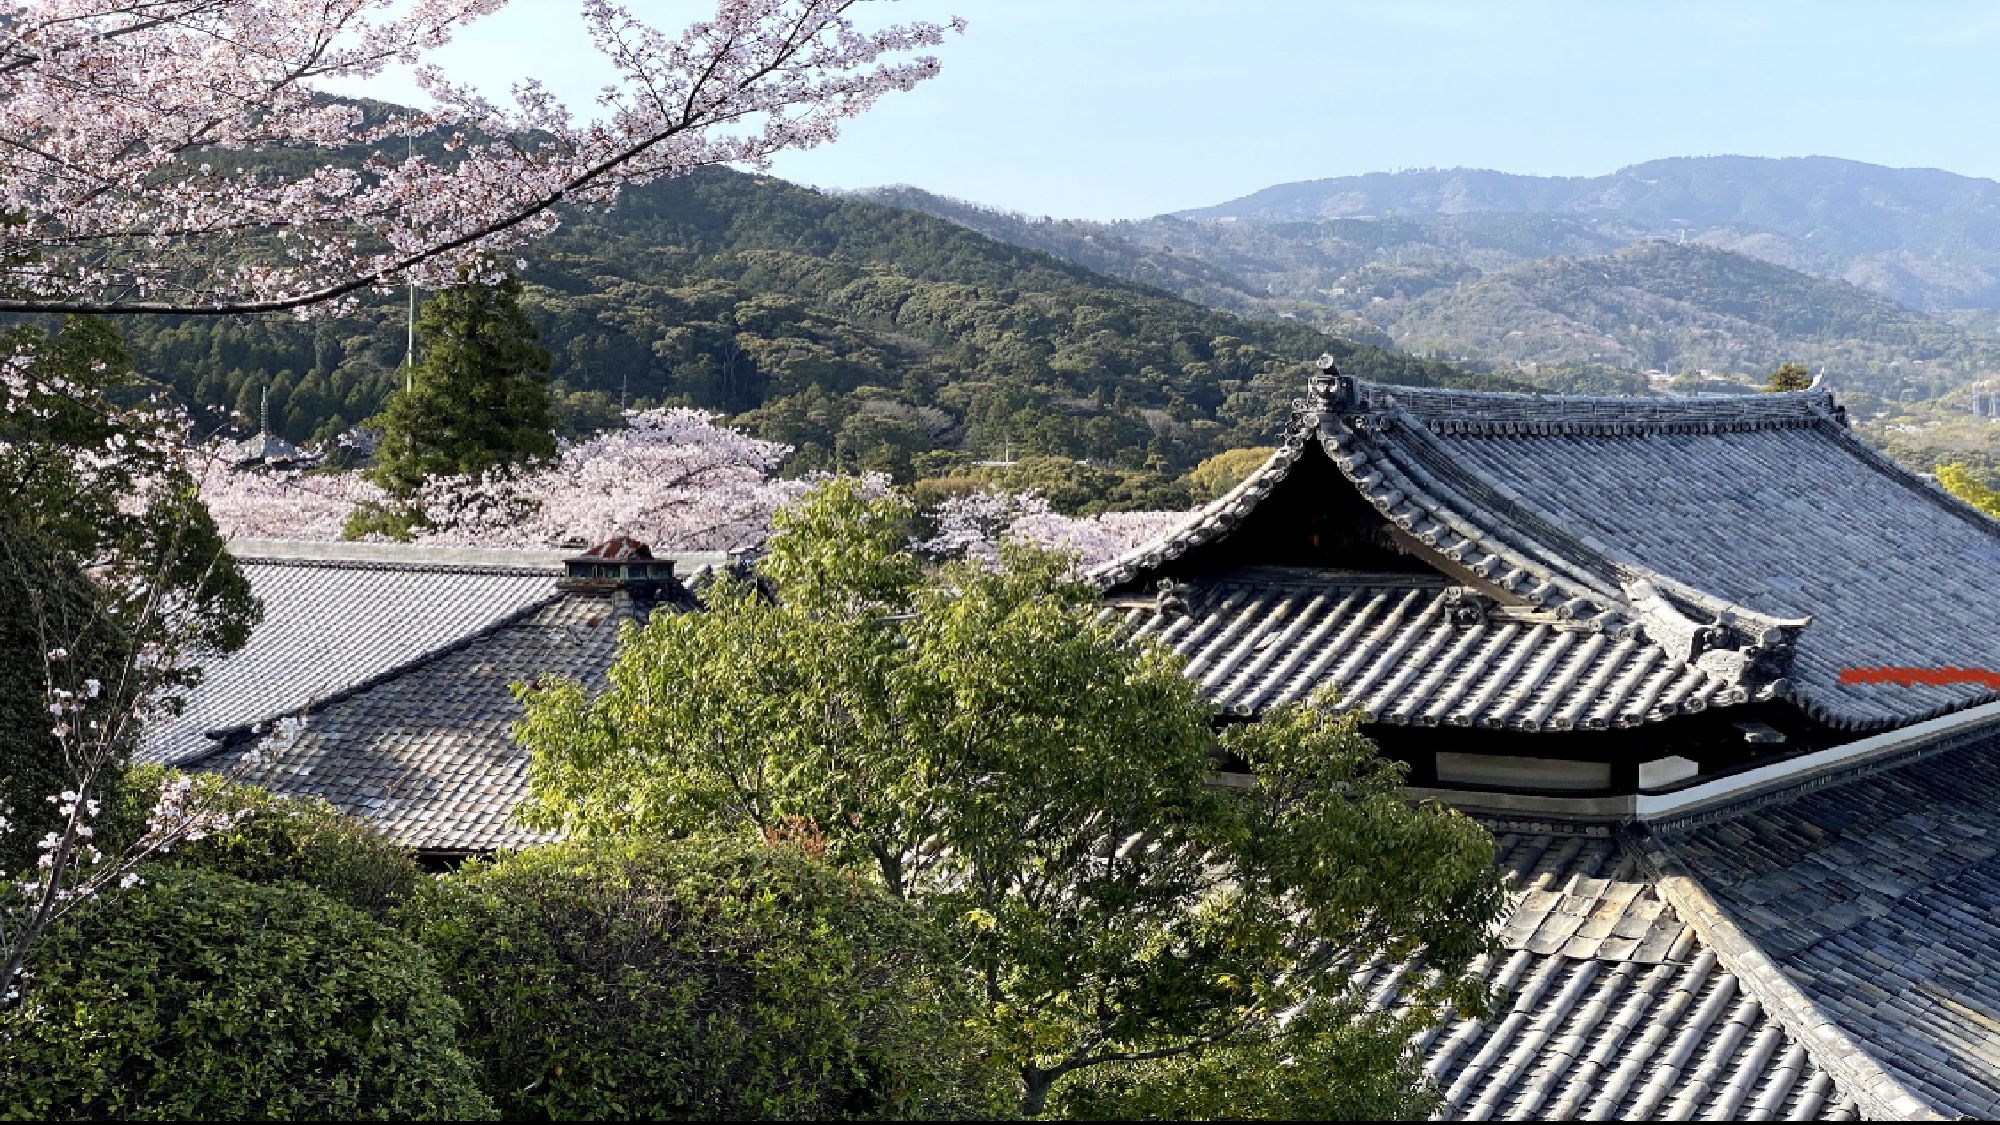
[[670, 477], [258, 504], [129, 123], [973, 526]]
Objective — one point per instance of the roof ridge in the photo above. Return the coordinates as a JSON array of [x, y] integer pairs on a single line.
[[1541, 530], [521, 570], [1926, 487], [1513, 412], [1715, 603], [1882, 1095]]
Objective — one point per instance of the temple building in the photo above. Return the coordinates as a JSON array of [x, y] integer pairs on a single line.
[[1709, 669], [1679, 655], [1608, 598], [381, 677]]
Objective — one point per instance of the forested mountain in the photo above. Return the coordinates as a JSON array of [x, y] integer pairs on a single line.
[[1659, 305], [866, 335], [1097, 246], [1285, 269], [1586, 282], [1921, 237]]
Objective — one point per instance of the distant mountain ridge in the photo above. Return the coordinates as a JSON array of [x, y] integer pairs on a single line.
[[1888, 278], [1922, 237], [1661, 305]]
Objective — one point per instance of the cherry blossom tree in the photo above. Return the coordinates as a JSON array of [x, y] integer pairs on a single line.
[[973, 525], [670, 477], [139, 136], [282, 504]]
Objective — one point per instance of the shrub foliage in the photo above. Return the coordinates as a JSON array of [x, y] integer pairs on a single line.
[[196, 995], [697, 980], [285, 840]]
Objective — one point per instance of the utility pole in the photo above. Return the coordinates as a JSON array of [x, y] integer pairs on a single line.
[[410, 319], [410, 343]]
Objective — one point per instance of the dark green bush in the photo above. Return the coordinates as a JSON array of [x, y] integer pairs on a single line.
[[699, 980], [196, 995], [284, 839]]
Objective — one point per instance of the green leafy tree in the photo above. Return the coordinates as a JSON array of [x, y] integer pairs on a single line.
[[1334, 1064], [706, 980], [199, 996], [1788, 377], [979, 745], [1960, 481], [479, 399], [1226, 470], [94, 471], [583, 413], [264, 838]]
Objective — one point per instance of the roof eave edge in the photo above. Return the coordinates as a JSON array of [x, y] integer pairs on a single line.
[[1222, 514]]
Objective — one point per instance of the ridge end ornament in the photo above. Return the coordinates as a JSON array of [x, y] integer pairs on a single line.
[[1327, 390]]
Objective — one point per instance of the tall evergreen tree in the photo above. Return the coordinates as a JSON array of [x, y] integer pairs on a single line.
[[1789, 377], [480, 398]]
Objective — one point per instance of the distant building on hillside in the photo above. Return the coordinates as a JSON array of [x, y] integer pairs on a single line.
[[264, 449]]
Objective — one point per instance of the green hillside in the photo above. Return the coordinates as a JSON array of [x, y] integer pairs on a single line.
[[1919, 236], [1659, 305], [867, 335]]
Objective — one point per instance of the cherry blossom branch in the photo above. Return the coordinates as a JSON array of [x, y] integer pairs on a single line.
[[93, 723], [127, 122]]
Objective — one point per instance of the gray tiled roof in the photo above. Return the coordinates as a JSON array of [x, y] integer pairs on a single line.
[[263, 447], [1880, 897], [332, 625], [1753, 535], [426, 756], [1608, 1006], [1398, 652]]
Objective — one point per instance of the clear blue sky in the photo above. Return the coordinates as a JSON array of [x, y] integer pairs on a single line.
[[1110, 109]]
